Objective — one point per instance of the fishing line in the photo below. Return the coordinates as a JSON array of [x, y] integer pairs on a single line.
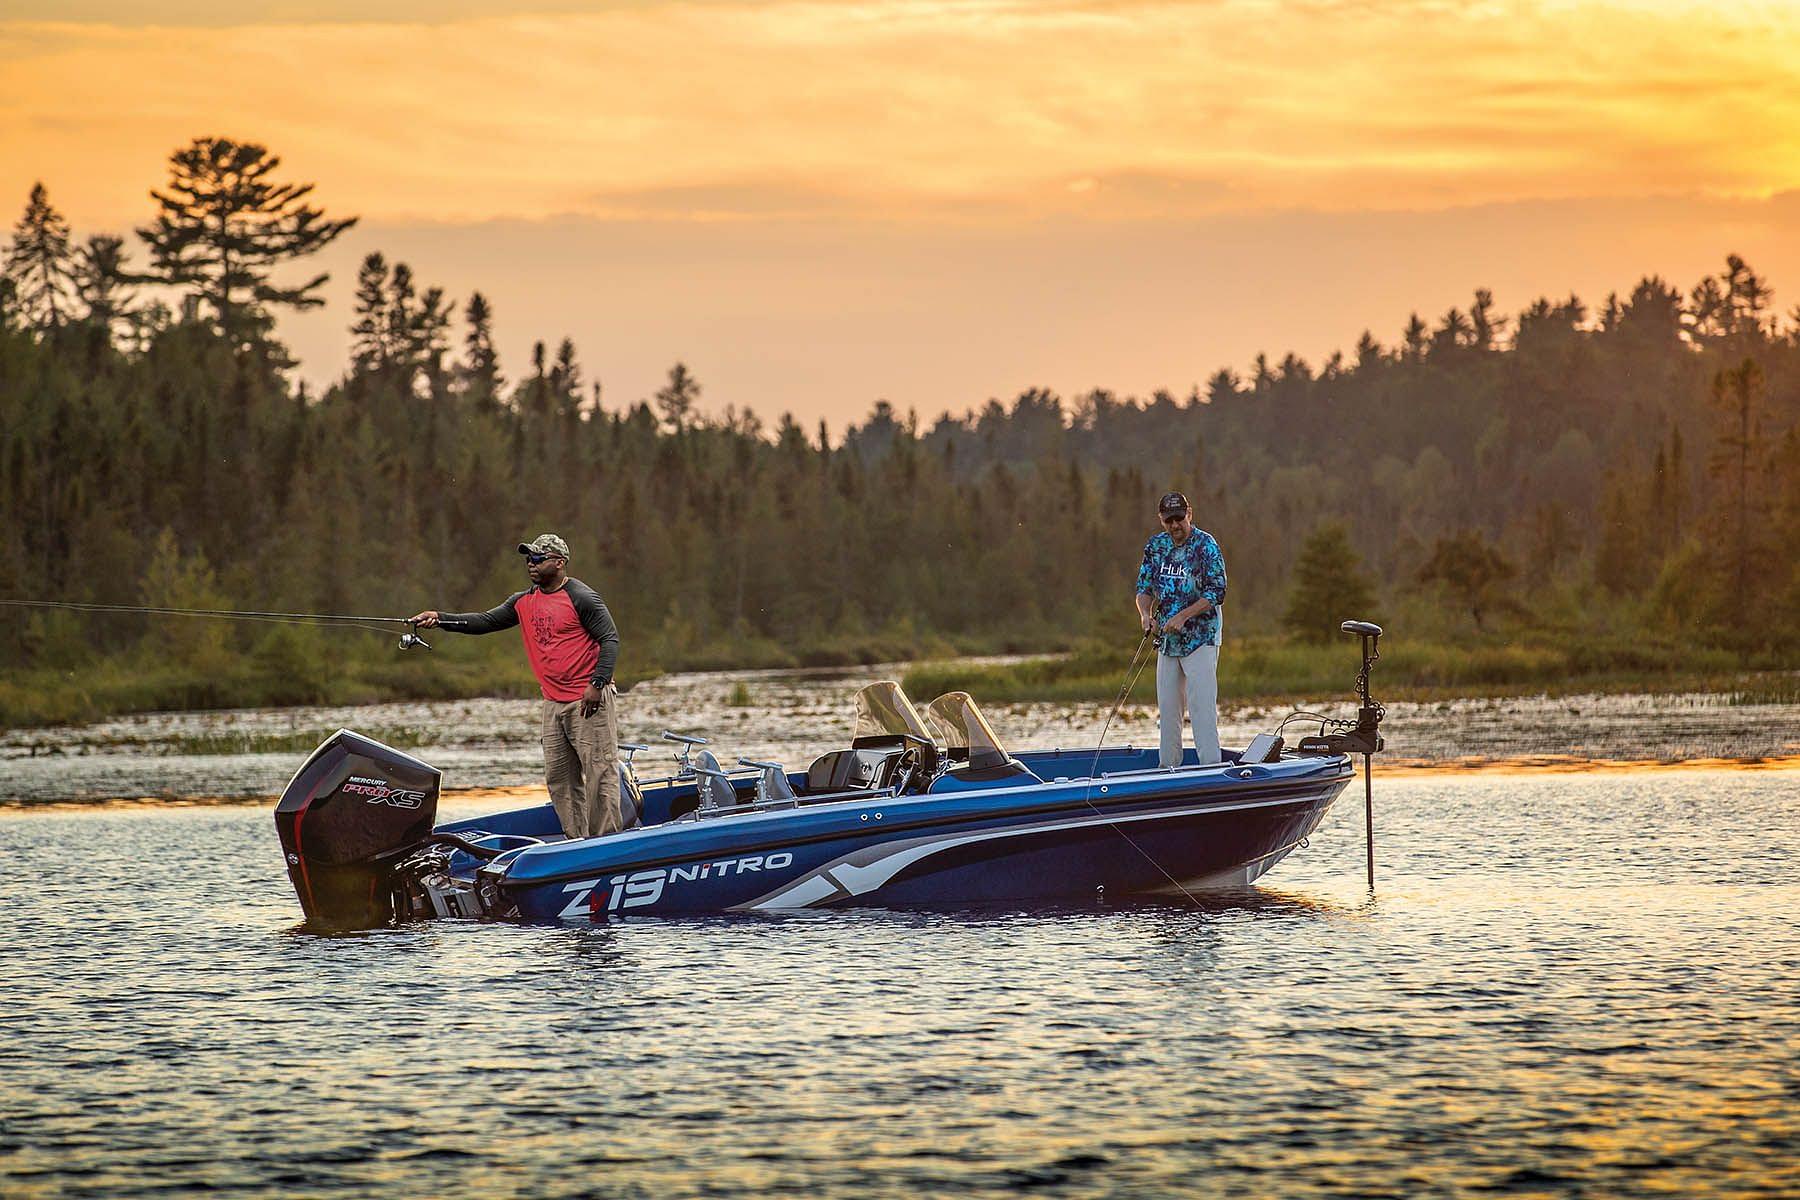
[[229, 614], [1139, 660]]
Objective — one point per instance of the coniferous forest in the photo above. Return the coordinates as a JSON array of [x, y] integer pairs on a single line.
[[1614, 478]]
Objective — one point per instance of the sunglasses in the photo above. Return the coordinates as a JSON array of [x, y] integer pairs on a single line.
[[536, 559], [1173, 518]]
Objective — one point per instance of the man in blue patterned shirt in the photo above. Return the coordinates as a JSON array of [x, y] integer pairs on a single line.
[[1180, 587]]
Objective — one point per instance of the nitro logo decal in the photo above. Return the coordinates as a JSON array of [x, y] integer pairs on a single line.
[[378, 791], [588, 898]]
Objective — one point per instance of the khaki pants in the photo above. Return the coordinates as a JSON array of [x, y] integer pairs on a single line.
[[1191, 683], [581, 765]]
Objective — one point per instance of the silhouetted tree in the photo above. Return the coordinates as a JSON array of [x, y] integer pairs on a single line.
[[1485, 329], [1746, 298], [371, 348], [1415, 338], [225, 225], [676, 399], [565, 379], [101, 280], [480, 371], [40, 265]]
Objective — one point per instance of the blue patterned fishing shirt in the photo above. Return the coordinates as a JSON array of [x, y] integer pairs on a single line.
[[1176, 576]]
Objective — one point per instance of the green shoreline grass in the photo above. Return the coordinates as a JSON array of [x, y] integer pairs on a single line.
[[1262, 670], [1252, 670]]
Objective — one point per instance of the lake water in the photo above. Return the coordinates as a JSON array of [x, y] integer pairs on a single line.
[[1566, 984]]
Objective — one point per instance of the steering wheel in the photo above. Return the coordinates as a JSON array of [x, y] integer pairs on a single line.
[[906, 767]]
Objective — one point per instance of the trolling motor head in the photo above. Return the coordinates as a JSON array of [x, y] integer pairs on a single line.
[[1365, 737]]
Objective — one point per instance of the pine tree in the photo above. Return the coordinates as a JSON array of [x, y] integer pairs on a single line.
[[1747, 297], [370, 349], [1622, 560], [1486, 328], [1328, 585], [226, 225], [1737, 462], [40, 264], [1414, 337], [675, 400], [1454, 332], [100, 283], [1369, 354], [480, 371], [565, 380]]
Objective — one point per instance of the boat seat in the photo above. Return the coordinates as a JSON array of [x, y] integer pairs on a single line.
[[631, 799], [715, 785], [772, 785]]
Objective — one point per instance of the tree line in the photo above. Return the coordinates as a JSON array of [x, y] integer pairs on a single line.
[[1630, 469]]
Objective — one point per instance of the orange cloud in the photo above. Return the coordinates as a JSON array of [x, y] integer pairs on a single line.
[[960, 110]]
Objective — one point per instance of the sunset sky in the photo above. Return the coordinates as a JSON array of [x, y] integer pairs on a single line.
[[816, 205]]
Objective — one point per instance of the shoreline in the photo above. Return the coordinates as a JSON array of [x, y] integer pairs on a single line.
[[1262, 671], [1474, 765]]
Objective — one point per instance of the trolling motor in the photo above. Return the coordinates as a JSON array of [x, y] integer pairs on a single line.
[[1364, 737]]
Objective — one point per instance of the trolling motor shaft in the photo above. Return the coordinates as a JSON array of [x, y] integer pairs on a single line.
[[1364, 737]]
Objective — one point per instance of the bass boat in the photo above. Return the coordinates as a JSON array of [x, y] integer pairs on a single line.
[[919, 809]]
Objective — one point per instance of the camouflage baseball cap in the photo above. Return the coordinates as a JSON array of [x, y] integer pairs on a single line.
[[546, 543]]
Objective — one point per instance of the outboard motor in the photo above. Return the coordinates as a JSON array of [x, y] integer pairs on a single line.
[[348, 813]]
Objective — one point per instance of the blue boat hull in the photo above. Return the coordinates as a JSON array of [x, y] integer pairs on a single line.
[[1137, 833]]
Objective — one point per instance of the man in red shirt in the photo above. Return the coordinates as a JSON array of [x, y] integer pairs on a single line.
[[572, 645]]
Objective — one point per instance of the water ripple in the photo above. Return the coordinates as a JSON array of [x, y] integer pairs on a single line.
[[1566, 985]]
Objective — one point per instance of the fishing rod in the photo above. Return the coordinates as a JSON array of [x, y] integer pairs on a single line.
[[408, 640], [1139, 660]]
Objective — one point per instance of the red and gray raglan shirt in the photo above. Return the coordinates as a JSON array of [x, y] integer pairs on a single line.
[[570, 638]]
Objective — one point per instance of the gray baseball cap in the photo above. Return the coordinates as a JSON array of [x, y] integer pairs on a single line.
[[546, 543]]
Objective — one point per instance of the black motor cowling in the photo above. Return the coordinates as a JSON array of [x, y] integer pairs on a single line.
[[344, 818]]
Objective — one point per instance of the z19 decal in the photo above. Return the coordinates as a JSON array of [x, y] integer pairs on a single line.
[[641, 888]]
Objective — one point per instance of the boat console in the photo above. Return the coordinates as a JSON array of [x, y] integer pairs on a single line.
[[890, 747]]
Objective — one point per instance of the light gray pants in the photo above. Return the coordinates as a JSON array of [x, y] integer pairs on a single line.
[[581, 765], [1193, 683]]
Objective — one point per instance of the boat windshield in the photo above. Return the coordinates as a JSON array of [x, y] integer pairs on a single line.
[[965, 733], [882, 710]]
